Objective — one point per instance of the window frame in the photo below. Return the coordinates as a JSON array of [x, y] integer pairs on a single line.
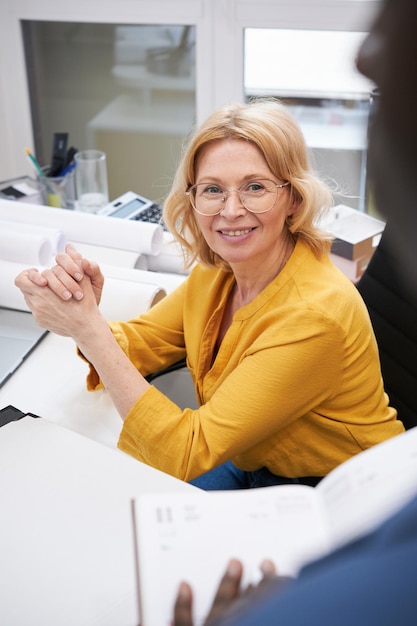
[[219, 24]]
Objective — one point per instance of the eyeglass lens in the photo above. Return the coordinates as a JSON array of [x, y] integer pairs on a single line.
[[257, 196]]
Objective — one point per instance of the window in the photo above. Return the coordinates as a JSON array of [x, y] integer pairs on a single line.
[[128, 90], [59, 40], [314, 73]]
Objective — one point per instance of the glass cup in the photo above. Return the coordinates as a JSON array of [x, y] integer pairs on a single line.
[[91, 180], [58, 191]]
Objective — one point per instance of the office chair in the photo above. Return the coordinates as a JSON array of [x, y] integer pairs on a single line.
[[179, 365], [176, 383], [393, 311]]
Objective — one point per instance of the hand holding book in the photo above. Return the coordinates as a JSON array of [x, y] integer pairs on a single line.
[[229, 598], [290, 524]]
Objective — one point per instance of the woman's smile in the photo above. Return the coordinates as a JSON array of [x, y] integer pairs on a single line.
[[236, 233], [243, 238]]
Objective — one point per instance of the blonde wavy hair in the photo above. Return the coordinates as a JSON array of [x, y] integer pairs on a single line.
[[269, 125]]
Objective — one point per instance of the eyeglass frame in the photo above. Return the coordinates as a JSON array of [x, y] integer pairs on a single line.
[[227, 193]]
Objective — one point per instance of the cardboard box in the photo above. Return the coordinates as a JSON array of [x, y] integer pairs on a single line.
[[352, 269], [356, 234]]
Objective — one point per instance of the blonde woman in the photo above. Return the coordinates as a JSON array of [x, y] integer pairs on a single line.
[[277, 340]]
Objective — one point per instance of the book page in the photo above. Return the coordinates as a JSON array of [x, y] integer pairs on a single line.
[[192, 537], [364, 491]]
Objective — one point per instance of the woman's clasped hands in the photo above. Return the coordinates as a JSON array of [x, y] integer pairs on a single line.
[[65, 297]]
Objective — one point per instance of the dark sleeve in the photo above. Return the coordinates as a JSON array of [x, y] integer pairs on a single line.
[[372, 581]]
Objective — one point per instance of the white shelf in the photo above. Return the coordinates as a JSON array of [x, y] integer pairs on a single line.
[[129, 113], [138, 77], [332, 129]]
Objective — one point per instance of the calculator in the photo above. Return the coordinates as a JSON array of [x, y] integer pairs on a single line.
[[133, 206]]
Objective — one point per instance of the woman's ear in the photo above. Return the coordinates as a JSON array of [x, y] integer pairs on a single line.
[[293, 206]]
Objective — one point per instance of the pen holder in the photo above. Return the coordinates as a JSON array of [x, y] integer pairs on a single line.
[[58, 191]]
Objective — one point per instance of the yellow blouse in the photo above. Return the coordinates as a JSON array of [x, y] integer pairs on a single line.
[[296, 384]]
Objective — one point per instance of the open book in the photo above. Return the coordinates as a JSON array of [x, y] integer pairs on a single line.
[[192, 536]]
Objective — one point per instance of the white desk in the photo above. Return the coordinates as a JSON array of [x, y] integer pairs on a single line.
[[66, 531], [51, 383]]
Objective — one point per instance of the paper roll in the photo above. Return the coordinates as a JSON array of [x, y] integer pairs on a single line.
[[55, 236], [170, 259], [112, 256], [124, 299], [24, 247], [10, 296], [101, 230], [167, 281], [30, 243]]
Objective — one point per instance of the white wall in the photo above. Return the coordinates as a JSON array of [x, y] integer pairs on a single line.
[[219, 48]]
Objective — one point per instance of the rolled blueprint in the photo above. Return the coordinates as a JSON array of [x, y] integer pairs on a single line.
[[166, 280], [112, 256], [24, 245], [170, 259], [125, 299], [10, 296], [101, 230]]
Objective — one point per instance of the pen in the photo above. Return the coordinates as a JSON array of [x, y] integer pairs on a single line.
[[34, 162], [68, 169], [51, 193]]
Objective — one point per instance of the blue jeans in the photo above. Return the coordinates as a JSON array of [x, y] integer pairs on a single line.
[[227, 476]]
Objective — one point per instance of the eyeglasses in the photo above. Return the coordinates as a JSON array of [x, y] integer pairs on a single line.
[[257, 196]]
